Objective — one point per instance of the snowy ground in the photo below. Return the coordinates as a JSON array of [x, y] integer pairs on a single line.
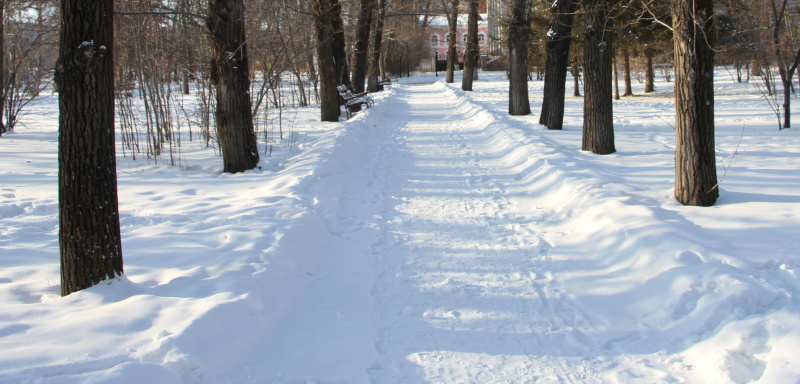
[[430, 239]]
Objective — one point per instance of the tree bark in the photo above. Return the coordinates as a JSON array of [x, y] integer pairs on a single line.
[[616, 77], [784, 70], [185, 49], [340, 48], [230, 74], [89, 233], [472, 53], [375, 66], [649, 83], [558, 43], [576, 74], [598, 122], [361, 46], [626, 65], [2, 66], [325, 11], [695, 160], [519, 31], [452, 54]]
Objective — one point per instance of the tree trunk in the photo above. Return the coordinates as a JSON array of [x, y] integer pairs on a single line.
[[185, 82], [518, 37], [185, 48], [649, 83], [89, 233], [301, 88], [340, 48], [555, 79], [325, 12], [2, 67], [471, 56], [695, 161], [374, 68], [598, 122], [576, 77], [361, 46], [787, 101], [230, 74], [452, 54], [626, 64], [784, 71], [616, 77]]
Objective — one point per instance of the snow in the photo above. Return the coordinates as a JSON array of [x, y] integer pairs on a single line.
[[431, 238], [463, 18]]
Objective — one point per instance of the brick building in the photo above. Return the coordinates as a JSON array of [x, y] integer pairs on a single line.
[[488, 36]]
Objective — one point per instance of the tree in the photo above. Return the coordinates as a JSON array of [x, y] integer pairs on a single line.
[[519, 35], [452, 54], [374, 68], [361, 46], [695, 161], [231, 77], [89, 232], [739, 35], [786, 65], [598, 121], [559, 39], [472, 54], [327, 23], [643, 32], [2, 67], [626, 70], [653, 37], [626, 40], [29, 56]]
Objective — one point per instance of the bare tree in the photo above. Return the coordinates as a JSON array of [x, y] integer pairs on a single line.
[[519, 34], [361, 46], [626, 70], [231, 77], [374, 68], [786, 65], [472, 54], [2, 65], [559, 39], [452, 53], [695, 160], [31, 27], [327, 23], [598, 119], [89, 232]]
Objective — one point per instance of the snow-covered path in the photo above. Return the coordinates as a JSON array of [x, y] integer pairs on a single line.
[[460, 292], [464, 249]]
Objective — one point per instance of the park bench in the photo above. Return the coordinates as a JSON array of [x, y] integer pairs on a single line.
[[385, 82], [124, 89], [354, 102]]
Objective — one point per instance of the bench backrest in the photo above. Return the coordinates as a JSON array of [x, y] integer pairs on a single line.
[[344, 92]]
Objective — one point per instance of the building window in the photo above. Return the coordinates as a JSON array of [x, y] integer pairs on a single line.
[[464, 38], [481, 37], [434, 40]]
